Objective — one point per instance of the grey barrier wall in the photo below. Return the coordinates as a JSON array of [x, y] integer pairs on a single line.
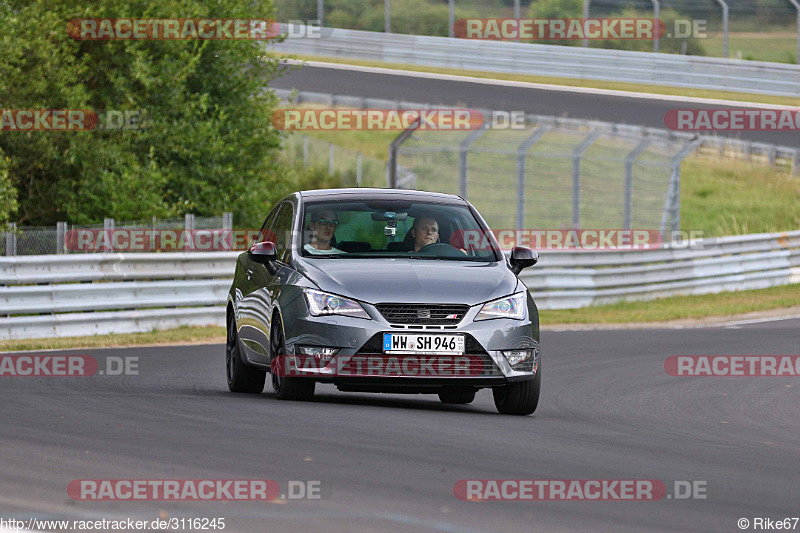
[[547, 60], [94, 294]]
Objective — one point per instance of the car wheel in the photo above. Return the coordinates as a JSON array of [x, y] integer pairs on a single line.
[[287, 388], [457, 396], [241, 377], [519, 398]]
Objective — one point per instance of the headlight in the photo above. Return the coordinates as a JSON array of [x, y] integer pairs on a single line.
[[508, 307], [322, 303]]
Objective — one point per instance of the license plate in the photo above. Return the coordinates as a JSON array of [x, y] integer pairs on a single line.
[[423, 344]]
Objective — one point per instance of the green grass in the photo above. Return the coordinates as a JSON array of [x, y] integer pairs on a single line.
[[678, 307], [571, 82], [775, 46], [182, 335]]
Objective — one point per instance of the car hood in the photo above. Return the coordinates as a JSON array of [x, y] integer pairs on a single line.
[[410, 280]]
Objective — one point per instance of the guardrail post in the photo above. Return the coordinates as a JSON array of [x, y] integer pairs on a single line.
[[392, 164], [305, 151], [576, 176], [656, 14], [796, 163], [358, 169], [61, 237], [627, 218], [11, 239], [108, 227], [522, 153]]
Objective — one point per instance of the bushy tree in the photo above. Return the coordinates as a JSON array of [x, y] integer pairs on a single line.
[[209, 146]]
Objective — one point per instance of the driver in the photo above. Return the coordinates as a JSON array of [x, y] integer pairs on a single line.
[[425, 231], [323, 227]]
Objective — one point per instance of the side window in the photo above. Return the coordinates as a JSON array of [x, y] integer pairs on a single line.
[[282, 228], [264, 234]]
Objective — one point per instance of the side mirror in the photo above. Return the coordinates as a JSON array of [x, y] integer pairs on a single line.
[[263, 252], [522, 258]]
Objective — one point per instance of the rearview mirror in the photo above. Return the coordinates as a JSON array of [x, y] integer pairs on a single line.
[[522, 258], [263, 252]]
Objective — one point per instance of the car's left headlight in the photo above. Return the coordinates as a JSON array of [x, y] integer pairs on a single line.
[[508, 307], [321, 304]]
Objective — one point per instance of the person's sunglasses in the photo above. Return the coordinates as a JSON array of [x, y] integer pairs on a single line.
[[326, 222]]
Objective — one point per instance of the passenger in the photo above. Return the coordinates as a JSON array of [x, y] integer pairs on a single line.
[[425, 231], [323, 227]]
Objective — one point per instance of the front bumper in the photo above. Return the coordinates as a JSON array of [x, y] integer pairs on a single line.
[[358, 338]]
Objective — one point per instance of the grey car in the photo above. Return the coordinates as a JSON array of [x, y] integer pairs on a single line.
[[381, 290]]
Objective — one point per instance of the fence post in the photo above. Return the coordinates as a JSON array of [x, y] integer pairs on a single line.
[[630, 159], [330, 159], [463, 151], [796, 5], [672, 212], [585, 16], [227, 220], [305, 151], [656, 14], [451, 17], [321, 12], [576, 176], [724, 27], [108, 228], [391, 177], [796, 162], [61, 236], [11, 239], [387, 14], [358, 169], [522, 152]]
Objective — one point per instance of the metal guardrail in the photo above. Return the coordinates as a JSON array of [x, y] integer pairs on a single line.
[[547, 60], [43, 296]]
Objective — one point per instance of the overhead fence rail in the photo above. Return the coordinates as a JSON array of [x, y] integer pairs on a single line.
[[95, 294], [549, 60]]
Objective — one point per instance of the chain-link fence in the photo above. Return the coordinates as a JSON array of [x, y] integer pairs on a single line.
[[555, 173], [46, 240], [353, 168]]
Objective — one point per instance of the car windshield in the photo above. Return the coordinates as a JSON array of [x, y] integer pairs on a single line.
[[394, 228]]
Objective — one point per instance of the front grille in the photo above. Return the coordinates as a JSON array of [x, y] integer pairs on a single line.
[[374, 346], [422, 313]]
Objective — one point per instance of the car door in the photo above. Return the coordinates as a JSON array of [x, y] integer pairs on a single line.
[[254, 307]]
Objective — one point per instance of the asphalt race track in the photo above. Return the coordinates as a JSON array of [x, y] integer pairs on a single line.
[[608, 411], [629, 110]]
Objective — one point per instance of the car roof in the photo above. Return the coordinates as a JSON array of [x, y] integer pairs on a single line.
[[377, 194]]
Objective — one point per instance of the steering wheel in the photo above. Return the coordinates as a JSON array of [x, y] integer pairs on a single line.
[[444, 249]]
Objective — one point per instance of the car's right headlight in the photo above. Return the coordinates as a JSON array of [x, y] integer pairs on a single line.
[[508, 307], [322, 303]]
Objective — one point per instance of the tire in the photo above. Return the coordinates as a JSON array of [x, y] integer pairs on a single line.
[[520, 398], [241, 376], [455, 396], [287, 388]]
